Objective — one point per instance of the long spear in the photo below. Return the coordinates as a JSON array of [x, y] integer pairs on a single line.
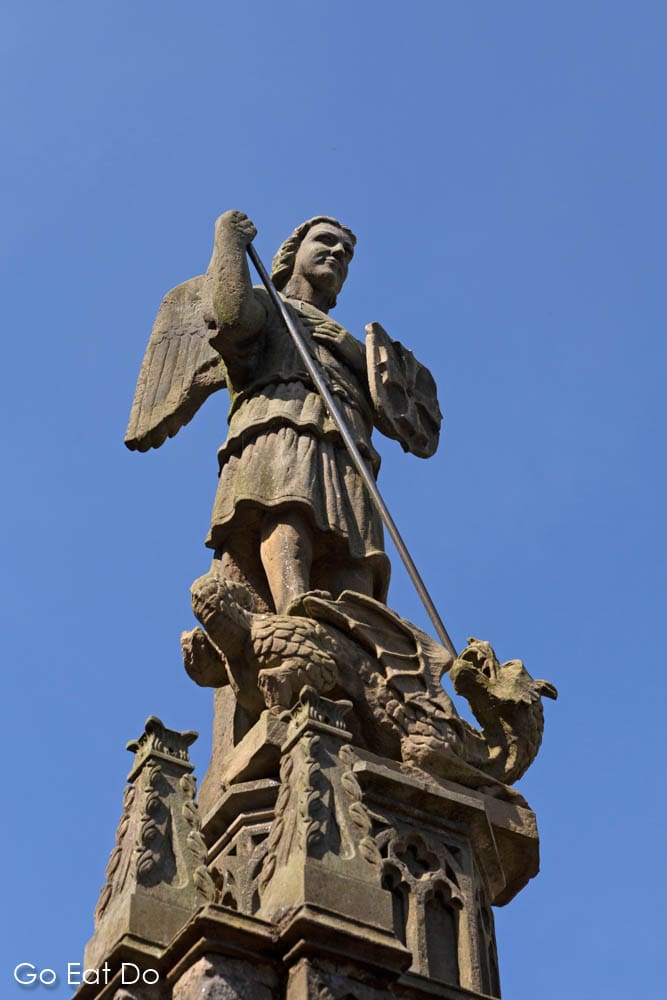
[[354, 452]]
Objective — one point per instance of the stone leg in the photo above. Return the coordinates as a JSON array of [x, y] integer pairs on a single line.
[[286, 551]]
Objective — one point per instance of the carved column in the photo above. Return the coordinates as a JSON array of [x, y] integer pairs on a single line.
[[156, 877], [321, 880]]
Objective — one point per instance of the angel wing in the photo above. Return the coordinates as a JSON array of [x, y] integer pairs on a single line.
[[179, 371]]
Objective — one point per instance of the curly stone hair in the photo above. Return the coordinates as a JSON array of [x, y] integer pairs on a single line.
[[283, 262]]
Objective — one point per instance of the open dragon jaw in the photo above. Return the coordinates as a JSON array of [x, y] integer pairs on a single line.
[[353, 830]]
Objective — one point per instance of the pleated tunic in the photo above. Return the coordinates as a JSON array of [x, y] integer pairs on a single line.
[[282, 448]]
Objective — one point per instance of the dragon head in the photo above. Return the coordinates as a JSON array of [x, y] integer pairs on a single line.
[[225, 609], [489, 685]]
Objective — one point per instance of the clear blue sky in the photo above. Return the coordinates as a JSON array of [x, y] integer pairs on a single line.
[[503, 165]]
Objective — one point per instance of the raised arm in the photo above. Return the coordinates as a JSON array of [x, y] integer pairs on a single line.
[[237, 309]]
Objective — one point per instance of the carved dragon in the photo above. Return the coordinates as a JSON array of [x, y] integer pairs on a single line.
[[357, 648], [506, 702]]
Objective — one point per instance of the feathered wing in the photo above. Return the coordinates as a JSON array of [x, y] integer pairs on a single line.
[[179, 371]]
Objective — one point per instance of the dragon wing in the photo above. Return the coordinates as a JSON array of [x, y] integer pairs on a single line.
[[410, 658], [179, 371]]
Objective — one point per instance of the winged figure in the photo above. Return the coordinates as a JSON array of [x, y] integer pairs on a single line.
[[291, 513]]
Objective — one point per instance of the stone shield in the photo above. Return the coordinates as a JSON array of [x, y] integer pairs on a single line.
[[404, 394]]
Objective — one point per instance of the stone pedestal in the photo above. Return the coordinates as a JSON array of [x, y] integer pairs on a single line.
[[337, 874], [441, 856]]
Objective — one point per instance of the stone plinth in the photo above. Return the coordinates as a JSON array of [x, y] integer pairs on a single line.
[[336, 874], [443, 854]]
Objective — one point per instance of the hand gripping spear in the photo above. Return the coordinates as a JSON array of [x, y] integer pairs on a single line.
[[354, 452]]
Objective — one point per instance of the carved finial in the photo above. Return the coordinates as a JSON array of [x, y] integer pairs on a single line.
[[158, 740], [311, 707], [156, 877]]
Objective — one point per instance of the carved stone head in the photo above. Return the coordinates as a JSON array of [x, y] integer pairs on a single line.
[[323, 247]]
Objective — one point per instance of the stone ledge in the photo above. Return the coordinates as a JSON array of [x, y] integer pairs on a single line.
[[505, 833], [128, 948], [219, 930], [315, 932], [236, 801]]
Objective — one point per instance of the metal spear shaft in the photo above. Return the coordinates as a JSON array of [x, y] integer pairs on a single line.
[[354, 452]]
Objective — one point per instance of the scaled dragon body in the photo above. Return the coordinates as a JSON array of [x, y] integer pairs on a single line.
[[357, 648]]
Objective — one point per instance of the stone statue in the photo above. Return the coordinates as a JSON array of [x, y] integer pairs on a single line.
[[353, 830], [291, 513], [296, 593]]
